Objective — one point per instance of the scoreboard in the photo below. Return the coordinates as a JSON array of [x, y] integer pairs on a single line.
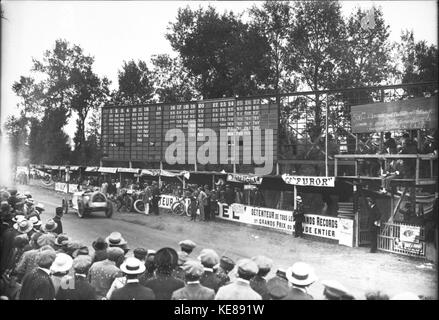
[[137, 133]]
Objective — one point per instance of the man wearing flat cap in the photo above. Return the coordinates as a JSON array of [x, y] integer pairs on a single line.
[[240, 288], [164, 284], [258, 282], [301, 276], [209, 259], [225, 266], [277, 288], [100, 248], [133, 290], [187, 246], [103, 273], [82, 289], [193, 290], [37, 284], [334, 290]]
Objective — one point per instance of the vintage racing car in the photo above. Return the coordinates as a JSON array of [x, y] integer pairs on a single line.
[[88, 201]]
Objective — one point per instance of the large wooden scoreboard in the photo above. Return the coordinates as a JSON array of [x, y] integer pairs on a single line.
[[137, 132]]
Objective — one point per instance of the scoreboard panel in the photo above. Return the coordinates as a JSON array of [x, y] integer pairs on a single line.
[[137, 133]]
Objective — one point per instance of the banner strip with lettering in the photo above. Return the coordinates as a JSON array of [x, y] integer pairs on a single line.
[[243, 178], [309, 181]]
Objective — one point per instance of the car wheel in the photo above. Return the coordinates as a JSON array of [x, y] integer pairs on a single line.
[[139, 206]]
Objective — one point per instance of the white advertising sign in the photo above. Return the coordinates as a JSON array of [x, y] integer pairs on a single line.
[[309, 181], [166, 201], [346, 232], [321, 226]]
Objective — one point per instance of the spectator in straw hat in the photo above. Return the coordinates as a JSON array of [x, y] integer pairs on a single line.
[[57, 219], [193, 290], [334, 290], [36, 223], [209, 259], [50, 227], [103, 273], [258, 282], [277, 288], [61, 243], [82, 289], [100, 247], [133, 290], [115, 239], [60, 269], [24, 226], [240, 288], [140, 254], [301, 276], [225, 266], [164, 284], [37, 284]]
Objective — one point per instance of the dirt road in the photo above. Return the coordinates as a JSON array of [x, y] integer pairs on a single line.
[[356, 268]]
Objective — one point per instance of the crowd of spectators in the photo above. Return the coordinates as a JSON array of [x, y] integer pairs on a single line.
[[39, 260]]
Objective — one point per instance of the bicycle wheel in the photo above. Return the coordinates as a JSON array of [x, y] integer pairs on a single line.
[[139, 206], [178, 208]]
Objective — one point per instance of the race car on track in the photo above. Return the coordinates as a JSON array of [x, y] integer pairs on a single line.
[[88, 201]]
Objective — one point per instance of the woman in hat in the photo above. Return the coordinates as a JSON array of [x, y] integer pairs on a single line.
[[164, 284], [300, 276], [133, 290]]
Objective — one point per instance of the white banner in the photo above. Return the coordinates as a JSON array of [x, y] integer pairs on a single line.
[[321, 226], [264, 217], [62, 187], [244, 178], [309, 181], [166, 201]]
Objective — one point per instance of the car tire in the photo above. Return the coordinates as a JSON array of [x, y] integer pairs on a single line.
[[139, 206]]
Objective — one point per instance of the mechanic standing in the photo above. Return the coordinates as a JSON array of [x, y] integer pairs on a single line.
[[147, 196], [155, 193], [299, 217]]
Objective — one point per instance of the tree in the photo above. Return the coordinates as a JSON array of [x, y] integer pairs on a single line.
[[315, 47], [17, 132], [135, 85], [419, 62], [71, 86], [172, 82], [48, 143], [226, 56], [31, 94], [273, 22]]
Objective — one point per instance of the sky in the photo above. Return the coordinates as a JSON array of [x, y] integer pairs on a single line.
[[117, 31]]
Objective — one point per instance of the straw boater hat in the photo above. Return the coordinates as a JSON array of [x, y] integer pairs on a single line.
[[187, 244], [49, 226], [35, 221], [18, 218], [23, 226], [334, 289], [301, 274], [115, 239], [132, 266], [63, 263]]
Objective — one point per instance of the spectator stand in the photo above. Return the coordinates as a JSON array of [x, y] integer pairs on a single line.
[[406, 196]]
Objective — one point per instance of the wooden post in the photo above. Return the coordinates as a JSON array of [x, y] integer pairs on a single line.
[[295, 195], [335, 166], [417, 170], [213, 181], [326, 138], [418, 136], [160, 175], [277, 168]]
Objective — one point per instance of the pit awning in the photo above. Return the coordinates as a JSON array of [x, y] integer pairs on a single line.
[[91, 169], [107, 170], [128, 170], [150, 172]]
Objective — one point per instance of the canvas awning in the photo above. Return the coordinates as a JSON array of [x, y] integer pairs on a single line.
[[128, 170], [74, 168], [107, 170], [149, 172], [91, 169]]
